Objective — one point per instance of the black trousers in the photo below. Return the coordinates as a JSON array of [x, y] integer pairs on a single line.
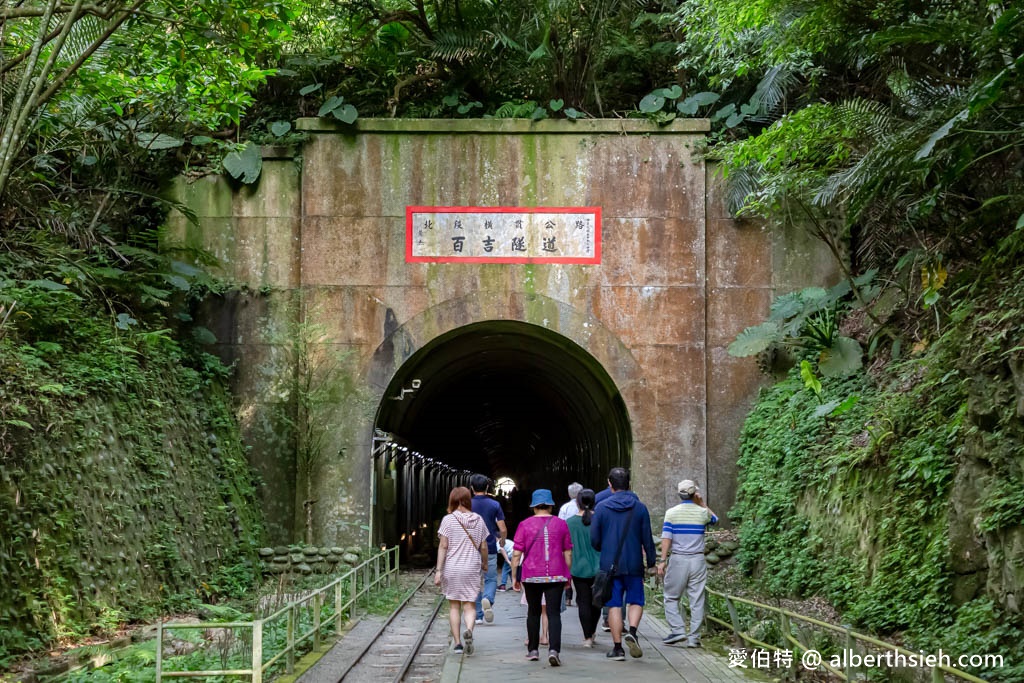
[[589, 615], [552, 594]]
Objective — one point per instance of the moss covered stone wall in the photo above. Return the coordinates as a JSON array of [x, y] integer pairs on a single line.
[[129, 493]]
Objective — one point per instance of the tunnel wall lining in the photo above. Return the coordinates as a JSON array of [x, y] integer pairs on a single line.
[[678, 280]]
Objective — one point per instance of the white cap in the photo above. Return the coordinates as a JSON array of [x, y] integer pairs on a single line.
[[688, 486]]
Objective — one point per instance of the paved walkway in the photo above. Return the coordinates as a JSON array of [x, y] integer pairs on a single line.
[[501, 654]]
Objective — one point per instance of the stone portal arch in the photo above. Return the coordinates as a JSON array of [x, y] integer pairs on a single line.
[[471, 383]]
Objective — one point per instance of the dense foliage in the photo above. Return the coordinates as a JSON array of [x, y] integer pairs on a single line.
[[863, 507], [893, 124]]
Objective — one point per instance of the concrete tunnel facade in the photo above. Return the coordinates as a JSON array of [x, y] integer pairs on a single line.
[[547, 373]]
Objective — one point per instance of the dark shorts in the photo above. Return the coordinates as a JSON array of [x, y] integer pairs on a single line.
[[630, 585]]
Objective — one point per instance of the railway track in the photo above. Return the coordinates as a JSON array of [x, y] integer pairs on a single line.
[[410, 646]]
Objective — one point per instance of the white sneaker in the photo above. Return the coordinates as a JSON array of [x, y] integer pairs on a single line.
[[488, 611]]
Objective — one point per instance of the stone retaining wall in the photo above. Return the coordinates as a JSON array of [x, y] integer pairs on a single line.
[[305, 560]]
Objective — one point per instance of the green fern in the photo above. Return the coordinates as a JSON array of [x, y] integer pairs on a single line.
[[456, 46]]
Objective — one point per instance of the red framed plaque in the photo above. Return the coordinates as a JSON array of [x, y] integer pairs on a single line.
[[503, 234]]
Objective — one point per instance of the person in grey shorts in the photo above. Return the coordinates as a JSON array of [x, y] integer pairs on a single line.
[[682, 549]]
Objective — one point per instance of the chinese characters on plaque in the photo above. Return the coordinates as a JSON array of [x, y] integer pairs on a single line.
[[442, 234]]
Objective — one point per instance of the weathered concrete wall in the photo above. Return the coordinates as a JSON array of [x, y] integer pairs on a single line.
[[748, 264], [678, 279], [252, 233]]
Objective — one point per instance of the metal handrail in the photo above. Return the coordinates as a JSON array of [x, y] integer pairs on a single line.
[[850, 636], [351, 578]]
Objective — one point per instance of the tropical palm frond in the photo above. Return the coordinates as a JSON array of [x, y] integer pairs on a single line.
[[741, 185], [502, 39], [870, 116], [86, 31], [457, 46], [772, 91]]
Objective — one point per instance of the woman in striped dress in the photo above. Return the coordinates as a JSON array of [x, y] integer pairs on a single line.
[[461, 557]]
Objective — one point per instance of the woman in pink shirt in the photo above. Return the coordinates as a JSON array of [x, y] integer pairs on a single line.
[[543, 548]]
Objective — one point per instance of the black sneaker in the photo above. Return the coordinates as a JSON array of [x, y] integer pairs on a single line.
[[467, 637], [458, 649], [673, 638], [553, 659], [634, 646], [617, 654], [605, 626]]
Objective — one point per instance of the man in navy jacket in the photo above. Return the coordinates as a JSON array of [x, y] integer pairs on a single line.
[[621, 517]]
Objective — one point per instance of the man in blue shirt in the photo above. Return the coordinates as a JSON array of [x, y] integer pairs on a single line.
[[621, 520], [494, 517]]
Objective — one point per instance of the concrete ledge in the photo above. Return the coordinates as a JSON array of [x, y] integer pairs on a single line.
[[506, 126]]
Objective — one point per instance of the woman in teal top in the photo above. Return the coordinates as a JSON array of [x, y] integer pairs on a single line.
[[585, 562]]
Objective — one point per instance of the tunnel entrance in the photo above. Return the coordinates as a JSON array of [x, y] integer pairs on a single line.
[[503, 398]]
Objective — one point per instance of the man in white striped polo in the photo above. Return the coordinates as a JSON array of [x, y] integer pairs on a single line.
[[682, 535]]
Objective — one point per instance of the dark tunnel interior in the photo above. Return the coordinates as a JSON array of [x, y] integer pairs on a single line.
[[502, 398]]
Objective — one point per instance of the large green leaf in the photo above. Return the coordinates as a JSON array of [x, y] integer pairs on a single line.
[[786, 306], [346, 113], [943, 131], [652, 103], [843, 358], [245, 165], [203, 335], [754, 340]]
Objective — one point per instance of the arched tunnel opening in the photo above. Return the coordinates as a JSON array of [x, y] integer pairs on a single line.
[[506, 399]]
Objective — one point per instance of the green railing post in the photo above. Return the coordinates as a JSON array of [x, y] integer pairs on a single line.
[[159, 650], [337, 608], [398, 558], [257, 651], [290, 640], [353, 588], [849, 645], [937, 675], [784, 625], [318, 600]]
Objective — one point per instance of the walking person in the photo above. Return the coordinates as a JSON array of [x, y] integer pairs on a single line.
[[621, 532], [585, 561], [570, 509], [494, 517], [543, 548], [505, 550], [461, 557], [599, 497], [682, 535], [567, 512]]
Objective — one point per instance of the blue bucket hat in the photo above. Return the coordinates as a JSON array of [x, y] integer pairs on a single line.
[[542, 497]]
